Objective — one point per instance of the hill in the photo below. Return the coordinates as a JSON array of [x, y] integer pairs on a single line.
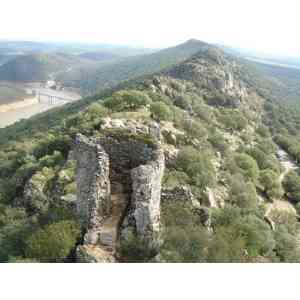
[[223, 187], [281, 75], [36, 67], [98, 56], [92, 79]]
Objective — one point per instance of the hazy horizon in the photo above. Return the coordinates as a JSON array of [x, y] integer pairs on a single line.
[[266, 27]]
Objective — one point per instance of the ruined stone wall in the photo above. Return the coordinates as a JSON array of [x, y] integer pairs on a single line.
[[104, 162], [93, 185], [146, 194], [124, 155]]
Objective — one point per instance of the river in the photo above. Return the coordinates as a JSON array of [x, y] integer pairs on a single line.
[[14, 115]]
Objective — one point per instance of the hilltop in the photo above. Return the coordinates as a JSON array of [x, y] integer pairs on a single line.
[[202, 123], [92, 79]]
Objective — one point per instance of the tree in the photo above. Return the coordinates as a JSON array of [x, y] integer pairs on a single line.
[[54, 242], [197, 166], [242, 193], [185, 244], [291, 184], [270, 181], [247, 166], [286, 245], [226, 246], [160, 111], [130, 100], [257, 235]]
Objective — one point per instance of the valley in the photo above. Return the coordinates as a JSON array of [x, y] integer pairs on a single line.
[[37, 97]]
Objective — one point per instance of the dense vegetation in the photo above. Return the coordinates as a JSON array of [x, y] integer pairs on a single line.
[[224, 145]]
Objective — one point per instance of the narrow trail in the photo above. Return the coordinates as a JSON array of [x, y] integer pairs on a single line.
[[282, 205], [109, 234], [286, 163]]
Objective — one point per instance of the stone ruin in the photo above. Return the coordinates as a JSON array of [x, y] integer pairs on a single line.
[[118, 179]]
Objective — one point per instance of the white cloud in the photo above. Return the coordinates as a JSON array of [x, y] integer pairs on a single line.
[[261, 24]]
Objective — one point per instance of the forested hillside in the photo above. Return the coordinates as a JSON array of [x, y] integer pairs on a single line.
[[219, 132], [37, 67], [92, 79]]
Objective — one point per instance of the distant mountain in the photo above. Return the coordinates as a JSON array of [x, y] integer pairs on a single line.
[[91, 79], [76, 48], [36, 67], [99, 56]]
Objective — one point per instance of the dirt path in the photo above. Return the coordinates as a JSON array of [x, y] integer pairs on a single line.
[[109, 233], [287, 163], [282, 205]]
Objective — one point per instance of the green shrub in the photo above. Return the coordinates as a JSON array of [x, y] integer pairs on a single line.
[[257, 235], [242, 193], [286, 245], [15, 226], [160, 111], [226, 246], [270, 181], [54, 242], [291, 184], [218, 141], [245, 165], [136, 250], [130, 100], [185, 244], [197, 166], [194, 129], [178, 215], [174, 179]]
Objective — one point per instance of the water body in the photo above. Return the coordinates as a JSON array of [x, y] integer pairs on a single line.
[[12, 116]]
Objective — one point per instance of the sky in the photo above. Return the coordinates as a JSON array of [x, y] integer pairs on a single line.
[[263, 25]]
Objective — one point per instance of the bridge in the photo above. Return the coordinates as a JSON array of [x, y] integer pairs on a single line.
[[52, 99]]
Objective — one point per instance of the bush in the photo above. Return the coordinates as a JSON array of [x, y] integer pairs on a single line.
[[233, 120], [174, 179], [160, 111], [194, 129], [270, 181], [286, 245], [257, 235], [183, 103], [54, 242], [14, 228], [197, 166], [263, 131], [247, 166], [291, 184], [242, 193], [136, 250], [179, 215], [127, 101], [185, 244], [217, 140], [226, 246]]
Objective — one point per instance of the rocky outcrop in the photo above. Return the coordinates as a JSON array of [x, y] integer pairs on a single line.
[[118, 188], [181, 194], [152, 128]]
